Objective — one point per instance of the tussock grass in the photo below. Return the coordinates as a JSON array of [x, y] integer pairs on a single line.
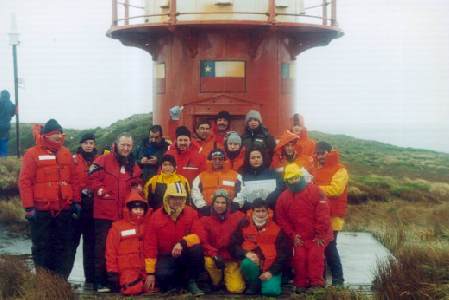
[[9, 172], [17, 282], [12, 216]]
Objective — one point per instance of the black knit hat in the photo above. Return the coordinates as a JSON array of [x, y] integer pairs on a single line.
[[323, 147], [169, 158], [183, 131], [87, 136], [51, 125], [224, 115]]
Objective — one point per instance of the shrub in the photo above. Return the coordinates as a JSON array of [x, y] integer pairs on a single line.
[[13, 273]]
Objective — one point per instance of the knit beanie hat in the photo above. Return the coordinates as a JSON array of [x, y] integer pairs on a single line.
[[51, 125], [182, 131], [253, 114], [170, 159], [5, 95], [216, 153], [220, 193], [323, 147], [233, 137], [87, 136], [224, 115]]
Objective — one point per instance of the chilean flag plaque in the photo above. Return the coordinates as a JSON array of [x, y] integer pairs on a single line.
[[222, 76]]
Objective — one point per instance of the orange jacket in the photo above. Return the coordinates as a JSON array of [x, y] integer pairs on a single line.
[[206, 146], [324, 175], [306, 145], [48, 180], [280, 160], [124, 251], [236, 163], [204, 186]]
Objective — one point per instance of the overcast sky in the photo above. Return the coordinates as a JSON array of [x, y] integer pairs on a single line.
[[387, 79]]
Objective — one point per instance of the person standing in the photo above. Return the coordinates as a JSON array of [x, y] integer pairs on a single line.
[[235, 154], [149, 153], [83, 159], [189, 162], [7, 111], [49, 191], [332, 178], [111, 178], [303, 214], [256, 134]]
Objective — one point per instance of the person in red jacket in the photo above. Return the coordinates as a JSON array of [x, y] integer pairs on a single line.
[[83, 159], [124, 247], [204, 137], [218, 229], [332, 178], [263, 250], [189, 163], [173, 254], [111, 178], [220, 128], [49, 191], [303, 214]]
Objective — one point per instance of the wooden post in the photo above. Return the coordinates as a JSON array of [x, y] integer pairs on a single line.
[[324, 5], [114, 13], [334, 13], [126, 12], [271, 11], [172, 12]]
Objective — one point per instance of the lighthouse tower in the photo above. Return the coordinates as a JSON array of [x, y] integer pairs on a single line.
[[234, 55]]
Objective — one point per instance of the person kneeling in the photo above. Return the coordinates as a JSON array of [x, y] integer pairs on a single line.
[[218, 229], [173, 254], [263, 249], [124, 257]]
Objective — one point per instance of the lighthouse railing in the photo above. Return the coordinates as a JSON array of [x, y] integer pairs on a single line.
[[172, 12]]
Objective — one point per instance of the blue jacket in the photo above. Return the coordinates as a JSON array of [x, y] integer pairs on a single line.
[[7, 111]]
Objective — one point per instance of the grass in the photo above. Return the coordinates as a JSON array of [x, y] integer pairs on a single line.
[[18, 282]]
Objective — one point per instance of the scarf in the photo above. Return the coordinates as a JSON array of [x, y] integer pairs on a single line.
[[52, 146], [89, 157]]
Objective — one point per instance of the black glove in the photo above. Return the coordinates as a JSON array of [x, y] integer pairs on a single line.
[[219, 262], [204, 211], [30, 214], [76, 210]]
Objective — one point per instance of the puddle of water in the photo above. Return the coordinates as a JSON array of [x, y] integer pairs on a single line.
[[359, 253]]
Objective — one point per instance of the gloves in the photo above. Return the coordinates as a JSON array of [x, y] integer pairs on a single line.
[[204, 211], [219, 262], [30, 214], [175, 112], [76, 210]]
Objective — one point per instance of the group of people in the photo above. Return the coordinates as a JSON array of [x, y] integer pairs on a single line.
[[250, 211]]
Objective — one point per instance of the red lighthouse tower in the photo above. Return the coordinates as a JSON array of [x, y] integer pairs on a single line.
[[234, 55]]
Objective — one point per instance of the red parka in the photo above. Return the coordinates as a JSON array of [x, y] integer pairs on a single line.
[[105, 173], [124, 250], [189, 163], [218, 232], [305, 213], [81, 169], [163, 233], [48, 180]]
